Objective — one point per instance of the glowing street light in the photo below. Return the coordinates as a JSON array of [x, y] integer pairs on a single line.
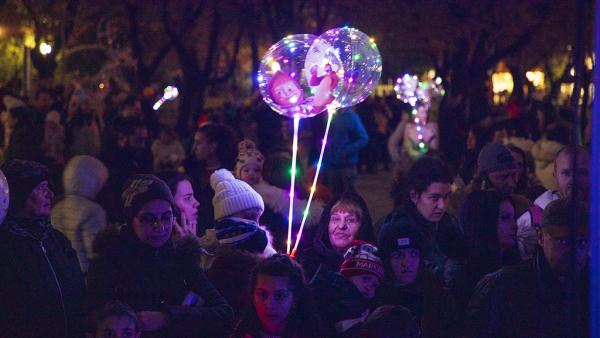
[[45, 48]]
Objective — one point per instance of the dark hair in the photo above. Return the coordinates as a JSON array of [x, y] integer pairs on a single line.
[[172, 179], [113, 308], [302, 319], [44, 90], [225, 139], [479, 221], [22, 114], [421, 175], [523, 179]]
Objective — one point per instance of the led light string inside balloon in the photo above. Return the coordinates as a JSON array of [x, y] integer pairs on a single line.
[[330, 111], [293, 181]]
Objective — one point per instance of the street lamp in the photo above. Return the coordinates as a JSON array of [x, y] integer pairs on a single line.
[[45, 48]]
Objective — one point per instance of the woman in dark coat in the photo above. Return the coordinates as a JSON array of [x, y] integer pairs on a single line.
[[161, 280], [344, 220]]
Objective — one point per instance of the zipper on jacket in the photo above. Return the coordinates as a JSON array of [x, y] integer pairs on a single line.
[[62, 302]]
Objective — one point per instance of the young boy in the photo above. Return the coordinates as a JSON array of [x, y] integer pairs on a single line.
[[114, 320]]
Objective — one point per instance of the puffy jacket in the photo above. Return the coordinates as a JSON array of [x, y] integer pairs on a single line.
[[526, 236], [526, 300], [41, 286], [77, 216], [150, 279], [347, 137]]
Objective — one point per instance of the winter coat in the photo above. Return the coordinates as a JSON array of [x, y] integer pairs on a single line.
[[544, 152], [526, 300], [321, 254], [151, 279], [458, 197], [77, 216], [443, 241], [347, 137], [41, 286], [526, 236], [430, 304], [341, 306]]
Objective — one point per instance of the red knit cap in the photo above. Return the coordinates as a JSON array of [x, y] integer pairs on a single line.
[[360, 259]]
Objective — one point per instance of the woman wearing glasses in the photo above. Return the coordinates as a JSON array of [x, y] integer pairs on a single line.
[[159, 277]]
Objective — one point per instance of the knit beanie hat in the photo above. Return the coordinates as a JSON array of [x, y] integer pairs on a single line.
[[360, 259], [141, 189], [232, 195], [22, 177], [396, 236], [247, 154], [495, 157], [242, 234]]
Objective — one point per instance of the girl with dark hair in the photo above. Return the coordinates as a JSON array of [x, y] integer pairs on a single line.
[[345, 219], [282, 303], [488, 221], [183, 195], [421, 201]]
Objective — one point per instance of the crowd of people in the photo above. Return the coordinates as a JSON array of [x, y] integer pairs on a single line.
[[119, 226]]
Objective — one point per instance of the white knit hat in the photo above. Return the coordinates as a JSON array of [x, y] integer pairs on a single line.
[[232, 195]]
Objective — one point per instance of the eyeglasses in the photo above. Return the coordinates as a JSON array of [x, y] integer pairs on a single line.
[[149, 219]]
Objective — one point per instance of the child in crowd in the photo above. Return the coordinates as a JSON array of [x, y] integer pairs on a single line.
[[114, 320], [282, 303], [344, 298], [248, 168]]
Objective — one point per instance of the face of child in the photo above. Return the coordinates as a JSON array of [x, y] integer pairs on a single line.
[[251, 174], [405, 265], [273, 300], [117, 327], [367, 284], [286, 93]]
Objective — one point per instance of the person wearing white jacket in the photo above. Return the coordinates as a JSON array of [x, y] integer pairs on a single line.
[[563, 177], [248, 168], [78, 216]]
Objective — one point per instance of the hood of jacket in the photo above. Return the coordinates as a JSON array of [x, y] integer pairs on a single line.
[[84, 176], [321, 242]]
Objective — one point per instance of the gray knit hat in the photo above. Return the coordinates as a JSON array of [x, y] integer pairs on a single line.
[[495, 157], [141, 189]]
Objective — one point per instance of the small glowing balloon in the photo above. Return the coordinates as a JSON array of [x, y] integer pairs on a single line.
[[4, 196], [406, 89], [289, 87], [361, 63]]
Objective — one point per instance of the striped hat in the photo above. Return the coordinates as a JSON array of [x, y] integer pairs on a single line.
[[361, 258], [241, 234]]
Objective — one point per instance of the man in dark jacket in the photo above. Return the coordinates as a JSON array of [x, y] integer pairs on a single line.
[[41, 285], [533, 299]]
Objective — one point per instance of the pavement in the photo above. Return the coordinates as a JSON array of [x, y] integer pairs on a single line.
[[375, 189]]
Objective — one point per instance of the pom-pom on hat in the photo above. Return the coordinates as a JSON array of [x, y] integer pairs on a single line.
[[361, 258], [232, 195], [248, 154]]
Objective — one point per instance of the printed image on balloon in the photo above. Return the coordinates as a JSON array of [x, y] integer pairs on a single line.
[[285, 83], [361, 62], [324, 73]]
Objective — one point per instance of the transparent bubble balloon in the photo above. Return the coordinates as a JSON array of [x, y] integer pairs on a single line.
[[361, 62], [292, 86], [4, 196]]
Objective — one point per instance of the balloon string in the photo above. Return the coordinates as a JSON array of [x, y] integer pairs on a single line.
[[330, 111], [293, 180]]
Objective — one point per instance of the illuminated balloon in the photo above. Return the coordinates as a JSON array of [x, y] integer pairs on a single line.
[[289, 87], [4, 196], [361, 63]]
